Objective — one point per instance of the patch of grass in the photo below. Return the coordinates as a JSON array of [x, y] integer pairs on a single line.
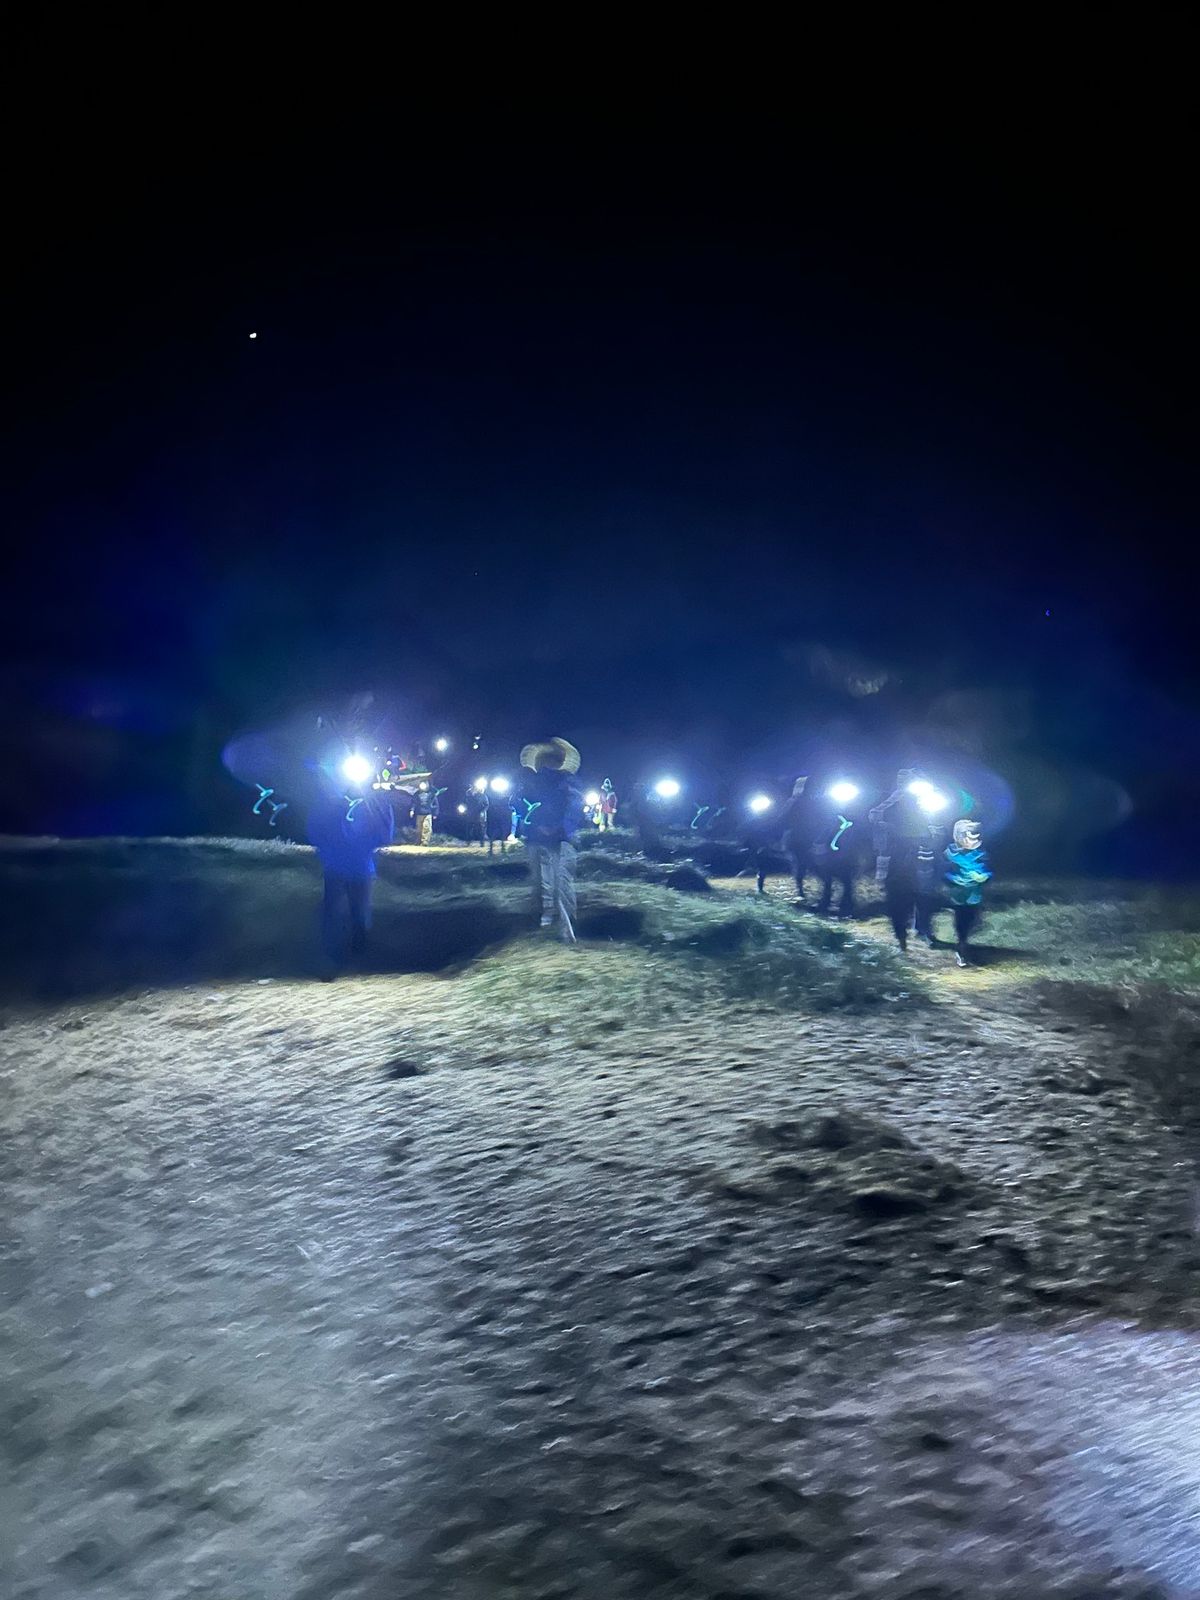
[[735, 949], [1134, 937], [101, 915], [96, 914]]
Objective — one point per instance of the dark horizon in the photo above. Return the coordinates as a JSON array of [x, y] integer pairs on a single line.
[[644, 438]]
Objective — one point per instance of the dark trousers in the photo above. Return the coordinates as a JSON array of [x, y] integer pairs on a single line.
[[965, 918], [839, 872], [798, 860], [900, 899], [346, 911]]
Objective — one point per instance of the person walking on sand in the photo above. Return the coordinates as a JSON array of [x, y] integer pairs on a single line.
[[967, 874], [554, 815], [346, 830]]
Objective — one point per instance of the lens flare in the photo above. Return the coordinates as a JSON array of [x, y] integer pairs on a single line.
[[356, 769]]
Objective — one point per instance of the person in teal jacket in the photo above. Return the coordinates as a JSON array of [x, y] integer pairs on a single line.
[[967, 873]]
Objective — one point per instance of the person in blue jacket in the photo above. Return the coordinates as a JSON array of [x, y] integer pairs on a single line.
[[425, 811], [554, 815], [966, 875], [346, 830]]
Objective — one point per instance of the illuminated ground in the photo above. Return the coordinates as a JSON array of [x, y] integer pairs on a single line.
[[522, 1281]]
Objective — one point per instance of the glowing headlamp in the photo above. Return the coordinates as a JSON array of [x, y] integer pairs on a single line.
[[357, 769]]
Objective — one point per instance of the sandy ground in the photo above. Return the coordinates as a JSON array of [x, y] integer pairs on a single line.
[[366, 1290]]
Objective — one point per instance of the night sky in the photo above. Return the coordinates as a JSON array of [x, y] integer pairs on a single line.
[[711, 428]]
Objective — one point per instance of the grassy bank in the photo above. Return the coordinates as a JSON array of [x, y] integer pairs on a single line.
[[97, 915]]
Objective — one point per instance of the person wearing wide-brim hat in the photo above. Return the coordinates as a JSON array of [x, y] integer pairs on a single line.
[[555, 754], [555, 814]]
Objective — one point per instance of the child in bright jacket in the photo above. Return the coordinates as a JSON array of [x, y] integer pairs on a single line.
[[967, 873]]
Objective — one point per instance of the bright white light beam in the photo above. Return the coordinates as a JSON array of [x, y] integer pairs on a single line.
[[667, 788], [759, 803], [843, 792], [356, 769]]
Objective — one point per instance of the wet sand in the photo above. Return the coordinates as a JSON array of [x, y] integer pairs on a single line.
[[365, 1290]]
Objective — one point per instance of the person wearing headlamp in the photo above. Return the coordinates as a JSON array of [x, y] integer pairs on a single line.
[[796, 824], [554, 815], [835, 851], [346, 826], [907, 828], [425, 810]]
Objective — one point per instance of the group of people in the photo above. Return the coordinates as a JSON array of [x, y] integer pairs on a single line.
[[491, 819], [918, 865], [347, 829]]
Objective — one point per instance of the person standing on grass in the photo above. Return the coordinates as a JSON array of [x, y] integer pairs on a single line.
[[499, 822], [762, 843], [478, 811], [967, 874], [796, 822], [930, 851], [554, 815], [608, 805], [425, 809], [648, 822], [835, 858], [346, 830], [901, 829]]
